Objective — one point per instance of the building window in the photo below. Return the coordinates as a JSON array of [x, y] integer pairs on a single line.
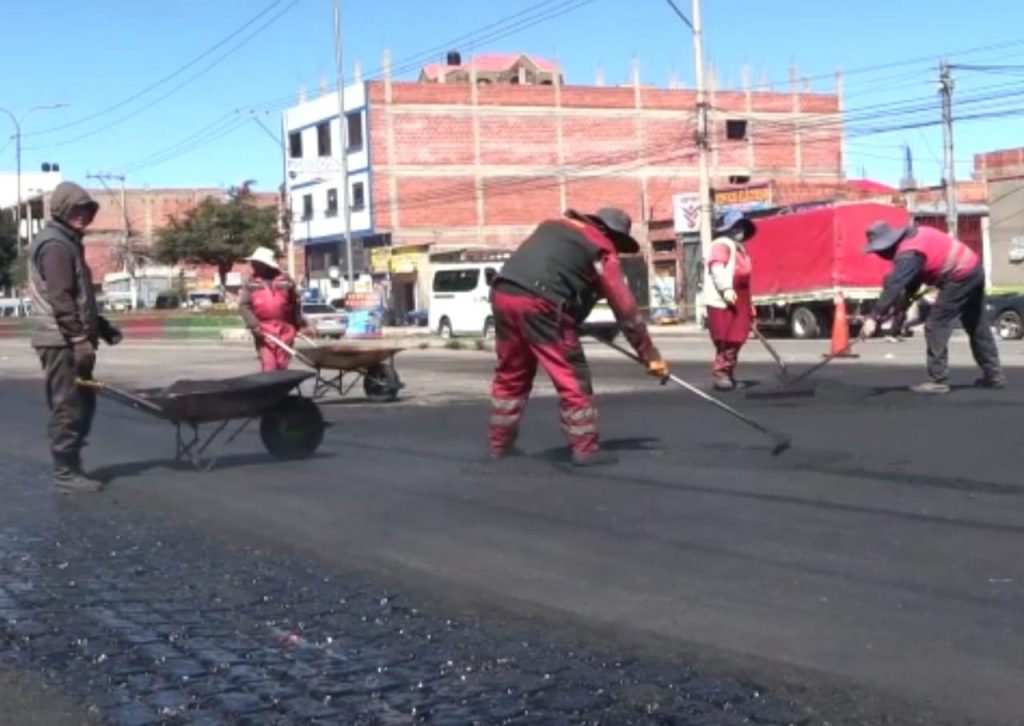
[[332, 202], [323, 138], [358, 197], [736, 129], [307, 207], [355, 130], [295, 144]]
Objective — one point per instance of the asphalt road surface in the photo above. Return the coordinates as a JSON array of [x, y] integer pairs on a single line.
[[870, 575]]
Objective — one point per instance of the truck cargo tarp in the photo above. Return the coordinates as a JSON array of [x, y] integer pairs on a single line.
[[819, 250]]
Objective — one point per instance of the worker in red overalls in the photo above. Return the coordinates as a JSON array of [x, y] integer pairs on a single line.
[[269, 304], [728, 298], [926, 256], [544, 291]]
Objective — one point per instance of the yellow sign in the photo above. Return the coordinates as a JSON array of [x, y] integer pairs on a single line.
[[406, 261], [380, 259], [748, 195]]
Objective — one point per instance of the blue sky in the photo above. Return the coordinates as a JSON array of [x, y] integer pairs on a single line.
[[195, 128]]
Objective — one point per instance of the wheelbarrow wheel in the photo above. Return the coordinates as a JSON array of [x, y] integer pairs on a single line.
[[381, 383], [293, 429]]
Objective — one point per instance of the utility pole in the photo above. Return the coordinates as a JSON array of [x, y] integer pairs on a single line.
[[17, 154], [703, 145], [127, 254], [946, 94], [284, 225], [343, 134]]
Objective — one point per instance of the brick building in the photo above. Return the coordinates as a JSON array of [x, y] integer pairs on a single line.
[[1003, 172], [449, 165], [148, 211]]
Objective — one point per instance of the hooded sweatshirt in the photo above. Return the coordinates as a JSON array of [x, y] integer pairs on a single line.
[[60, 281]]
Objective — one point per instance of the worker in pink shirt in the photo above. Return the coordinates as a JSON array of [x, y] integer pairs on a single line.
[[728, 297]]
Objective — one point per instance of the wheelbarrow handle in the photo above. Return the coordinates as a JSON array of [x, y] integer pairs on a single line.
[[288, 349], [120, 394]]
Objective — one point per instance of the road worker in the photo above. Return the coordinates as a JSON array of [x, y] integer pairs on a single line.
[[67, 330], [728, 298], [927, 256], [544, 292], [269, 305]]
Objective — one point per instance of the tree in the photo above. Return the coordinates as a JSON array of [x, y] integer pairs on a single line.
[[8, 249], [219, 232]]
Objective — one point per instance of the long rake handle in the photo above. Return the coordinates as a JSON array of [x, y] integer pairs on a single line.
[[771, 350], [828, 359], [781, 440]]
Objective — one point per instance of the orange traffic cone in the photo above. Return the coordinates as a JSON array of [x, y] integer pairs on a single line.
[[840, 331]]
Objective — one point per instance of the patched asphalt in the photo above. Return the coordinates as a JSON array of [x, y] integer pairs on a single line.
[[871, 575]]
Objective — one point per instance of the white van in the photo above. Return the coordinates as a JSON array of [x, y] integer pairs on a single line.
[[460, 301]]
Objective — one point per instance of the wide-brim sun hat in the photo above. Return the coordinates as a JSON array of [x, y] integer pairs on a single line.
[[264, 256], [733, 219], [616, 224], [883, 236]]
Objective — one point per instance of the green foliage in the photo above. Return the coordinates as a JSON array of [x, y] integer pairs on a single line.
[[219, 232], [8, 249]]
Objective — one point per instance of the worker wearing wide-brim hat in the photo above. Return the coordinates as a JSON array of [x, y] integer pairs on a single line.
[[727, 295], [927, 256], [269, 304]]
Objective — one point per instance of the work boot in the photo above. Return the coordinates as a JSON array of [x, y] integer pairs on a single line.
[[69, 478], [723, 383], [932, 387], [995, 381], [585, 459]]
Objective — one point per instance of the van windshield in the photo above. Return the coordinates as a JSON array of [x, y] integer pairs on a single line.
[[456, 280]]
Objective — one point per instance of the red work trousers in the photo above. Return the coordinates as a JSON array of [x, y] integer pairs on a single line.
[[726, 356], [272, 356], [530, 331]]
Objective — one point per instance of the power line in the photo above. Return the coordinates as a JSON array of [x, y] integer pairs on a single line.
[[156, 84], [203, 71]]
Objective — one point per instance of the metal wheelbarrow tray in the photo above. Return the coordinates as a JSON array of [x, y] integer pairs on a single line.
[[291, 427], [339, 367]]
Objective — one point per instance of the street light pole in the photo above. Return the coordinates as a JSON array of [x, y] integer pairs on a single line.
[[702, 135], [343, 140], [17, 155]]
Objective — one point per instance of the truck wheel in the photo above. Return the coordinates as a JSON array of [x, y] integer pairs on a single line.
[[1010, 325], [804, 324]]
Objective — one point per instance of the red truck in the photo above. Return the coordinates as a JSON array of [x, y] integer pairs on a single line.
[[803, 259]]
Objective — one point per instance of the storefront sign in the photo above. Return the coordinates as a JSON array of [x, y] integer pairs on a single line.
[[362, 301], [686, 212], [380, 260], [745, 199], [404, 261]]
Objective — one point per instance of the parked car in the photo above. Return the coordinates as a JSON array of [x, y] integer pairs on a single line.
[[1007, 314], [326, 320]]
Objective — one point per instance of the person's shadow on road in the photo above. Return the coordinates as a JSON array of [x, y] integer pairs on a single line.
[[128, 470]]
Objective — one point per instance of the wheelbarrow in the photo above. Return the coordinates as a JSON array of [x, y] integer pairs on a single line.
[[338, 368], [291, 426]]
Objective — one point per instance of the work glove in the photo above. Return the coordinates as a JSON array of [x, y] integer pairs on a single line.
[[658, 368], [84, 355], [110, 333], [730, 297], [257, 335], [869, 328]]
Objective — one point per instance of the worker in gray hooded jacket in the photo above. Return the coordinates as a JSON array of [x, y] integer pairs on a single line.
[[67, 330]]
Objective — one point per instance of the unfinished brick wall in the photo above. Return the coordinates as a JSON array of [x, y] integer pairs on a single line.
[[149, 211], [454, 164]]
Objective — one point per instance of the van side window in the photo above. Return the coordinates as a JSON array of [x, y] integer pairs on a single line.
[[456, 280], [489, 274]]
